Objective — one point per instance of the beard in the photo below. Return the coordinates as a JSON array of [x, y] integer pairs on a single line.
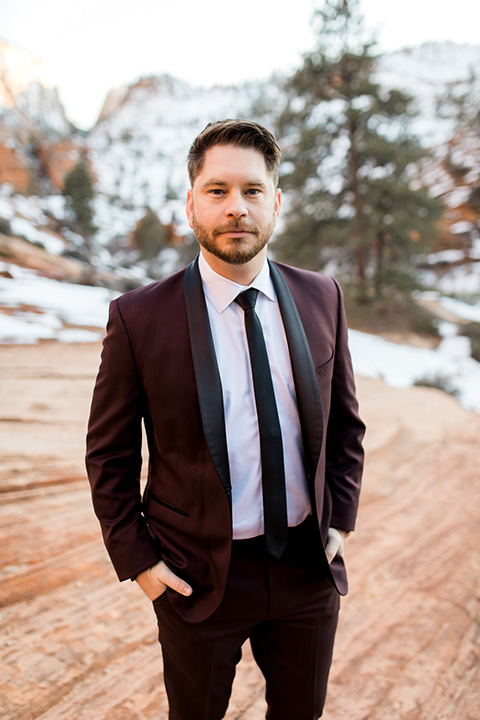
[[238, 252]]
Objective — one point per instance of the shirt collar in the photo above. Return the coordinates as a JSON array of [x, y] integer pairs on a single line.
[[222, 292]]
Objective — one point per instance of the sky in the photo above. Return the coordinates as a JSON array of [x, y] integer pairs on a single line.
[[91, 46]]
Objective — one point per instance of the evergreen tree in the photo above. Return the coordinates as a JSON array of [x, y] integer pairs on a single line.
[[349, 161], [149, 235], [79, 191]]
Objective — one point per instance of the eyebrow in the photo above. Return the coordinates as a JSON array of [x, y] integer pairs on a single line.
[[222, 183]]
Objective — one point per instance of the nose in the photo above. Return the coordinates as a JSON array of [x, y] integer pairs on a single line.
[[236, 206]]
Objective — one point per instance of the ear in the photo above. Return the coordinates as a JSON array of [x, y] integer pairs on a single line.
[[278, 203], [189, 207]]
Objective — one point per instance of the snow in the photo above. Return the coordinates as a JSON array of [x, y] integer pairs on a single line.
[[51, 243], [79, 305], [426, 72], [446, 256], [139, 152], [402, 365], [463, 310], [460, 280], [39, 308], [7, 211], [28, 328]]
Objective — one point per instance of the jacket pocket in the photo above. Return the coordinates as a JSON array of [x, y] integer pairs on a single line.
[[161, 598], [325, 369], [167, 505]]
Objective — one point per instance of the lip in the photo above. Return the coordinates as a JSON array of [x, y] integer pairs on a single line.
[[236, 233]]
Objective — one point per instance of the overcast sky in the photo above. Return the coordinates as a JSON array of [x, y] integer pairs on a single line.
[[90, 46]]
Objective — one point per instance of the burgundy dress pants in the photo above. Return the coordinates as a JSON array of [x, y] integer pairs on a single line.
[[288, 610]]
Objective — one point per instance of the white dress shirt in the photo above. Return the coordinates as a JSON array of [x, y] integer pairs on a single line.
[[227, 323]]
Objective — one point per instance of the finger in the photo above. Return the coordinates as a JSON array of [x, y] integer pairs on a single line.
[[168, 577]]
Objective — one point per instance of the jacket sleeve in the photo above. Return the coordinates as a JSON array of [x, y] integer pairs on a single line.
[[114, 459], [345, 431]]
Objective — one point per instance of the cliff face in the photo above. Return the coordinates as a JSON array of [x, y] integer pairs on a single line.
[[13, 169], [36, 139], [454, 175], [26, 91]]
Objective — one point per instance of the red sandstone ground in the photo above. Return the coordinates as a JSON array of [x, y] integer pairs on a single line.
[[77, 645]]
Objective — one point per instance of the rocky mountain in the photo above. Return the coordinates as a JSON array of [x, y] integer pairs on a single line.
[[37, 142], [137, 149], [428, 72], [435, 74], [139, 146], [26, 96]]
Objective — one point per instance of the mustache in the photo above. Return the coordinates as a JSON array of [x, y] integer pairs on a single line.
[[235, 227]]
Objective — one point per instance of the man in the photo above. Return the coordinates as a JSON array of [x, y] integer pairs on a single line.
[[241, 373]]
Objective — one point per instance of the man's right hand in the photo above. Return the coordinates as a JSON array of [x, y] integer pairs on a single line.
[[156, 579]]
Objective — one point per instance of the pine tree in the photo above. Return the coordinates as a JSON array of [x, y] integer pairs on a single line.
[[79, 191], [349, 161], [149, 235]]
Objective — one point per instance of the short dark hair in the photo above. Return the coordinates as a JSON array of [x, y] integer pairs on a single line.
[[242, 133]]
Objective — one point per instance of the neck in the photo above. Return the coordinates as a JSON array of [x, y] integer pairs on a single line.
[[243, 274]]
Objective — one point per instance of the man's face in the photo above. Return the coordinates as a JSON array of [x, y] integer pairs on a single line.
[[233, 205]]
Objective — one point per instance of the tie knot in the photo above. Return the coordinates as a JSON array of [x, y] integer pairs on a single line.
[[247, 299]]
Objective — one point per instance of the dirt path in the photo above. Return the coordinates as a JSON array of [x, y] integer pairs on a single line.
[[77, 645]]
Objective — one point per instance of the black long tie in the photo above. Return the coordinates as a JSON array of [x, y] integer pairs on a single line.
[[271, 447]]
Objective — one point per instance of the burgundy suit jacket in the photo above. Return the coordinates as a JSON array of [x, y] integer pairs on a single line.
[[158, 365]]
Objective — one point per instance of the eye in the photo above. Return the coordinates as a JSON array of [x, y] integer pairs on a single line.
[[217, 192], [253, 191]]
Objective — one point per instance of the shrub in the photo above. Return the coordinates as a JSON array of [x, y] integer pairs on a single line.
[[438, 381], [472, 331]]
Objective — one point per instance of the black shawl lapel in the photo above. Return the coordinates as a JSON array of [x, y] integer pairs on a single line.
[[308, 394], [209, 386]]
